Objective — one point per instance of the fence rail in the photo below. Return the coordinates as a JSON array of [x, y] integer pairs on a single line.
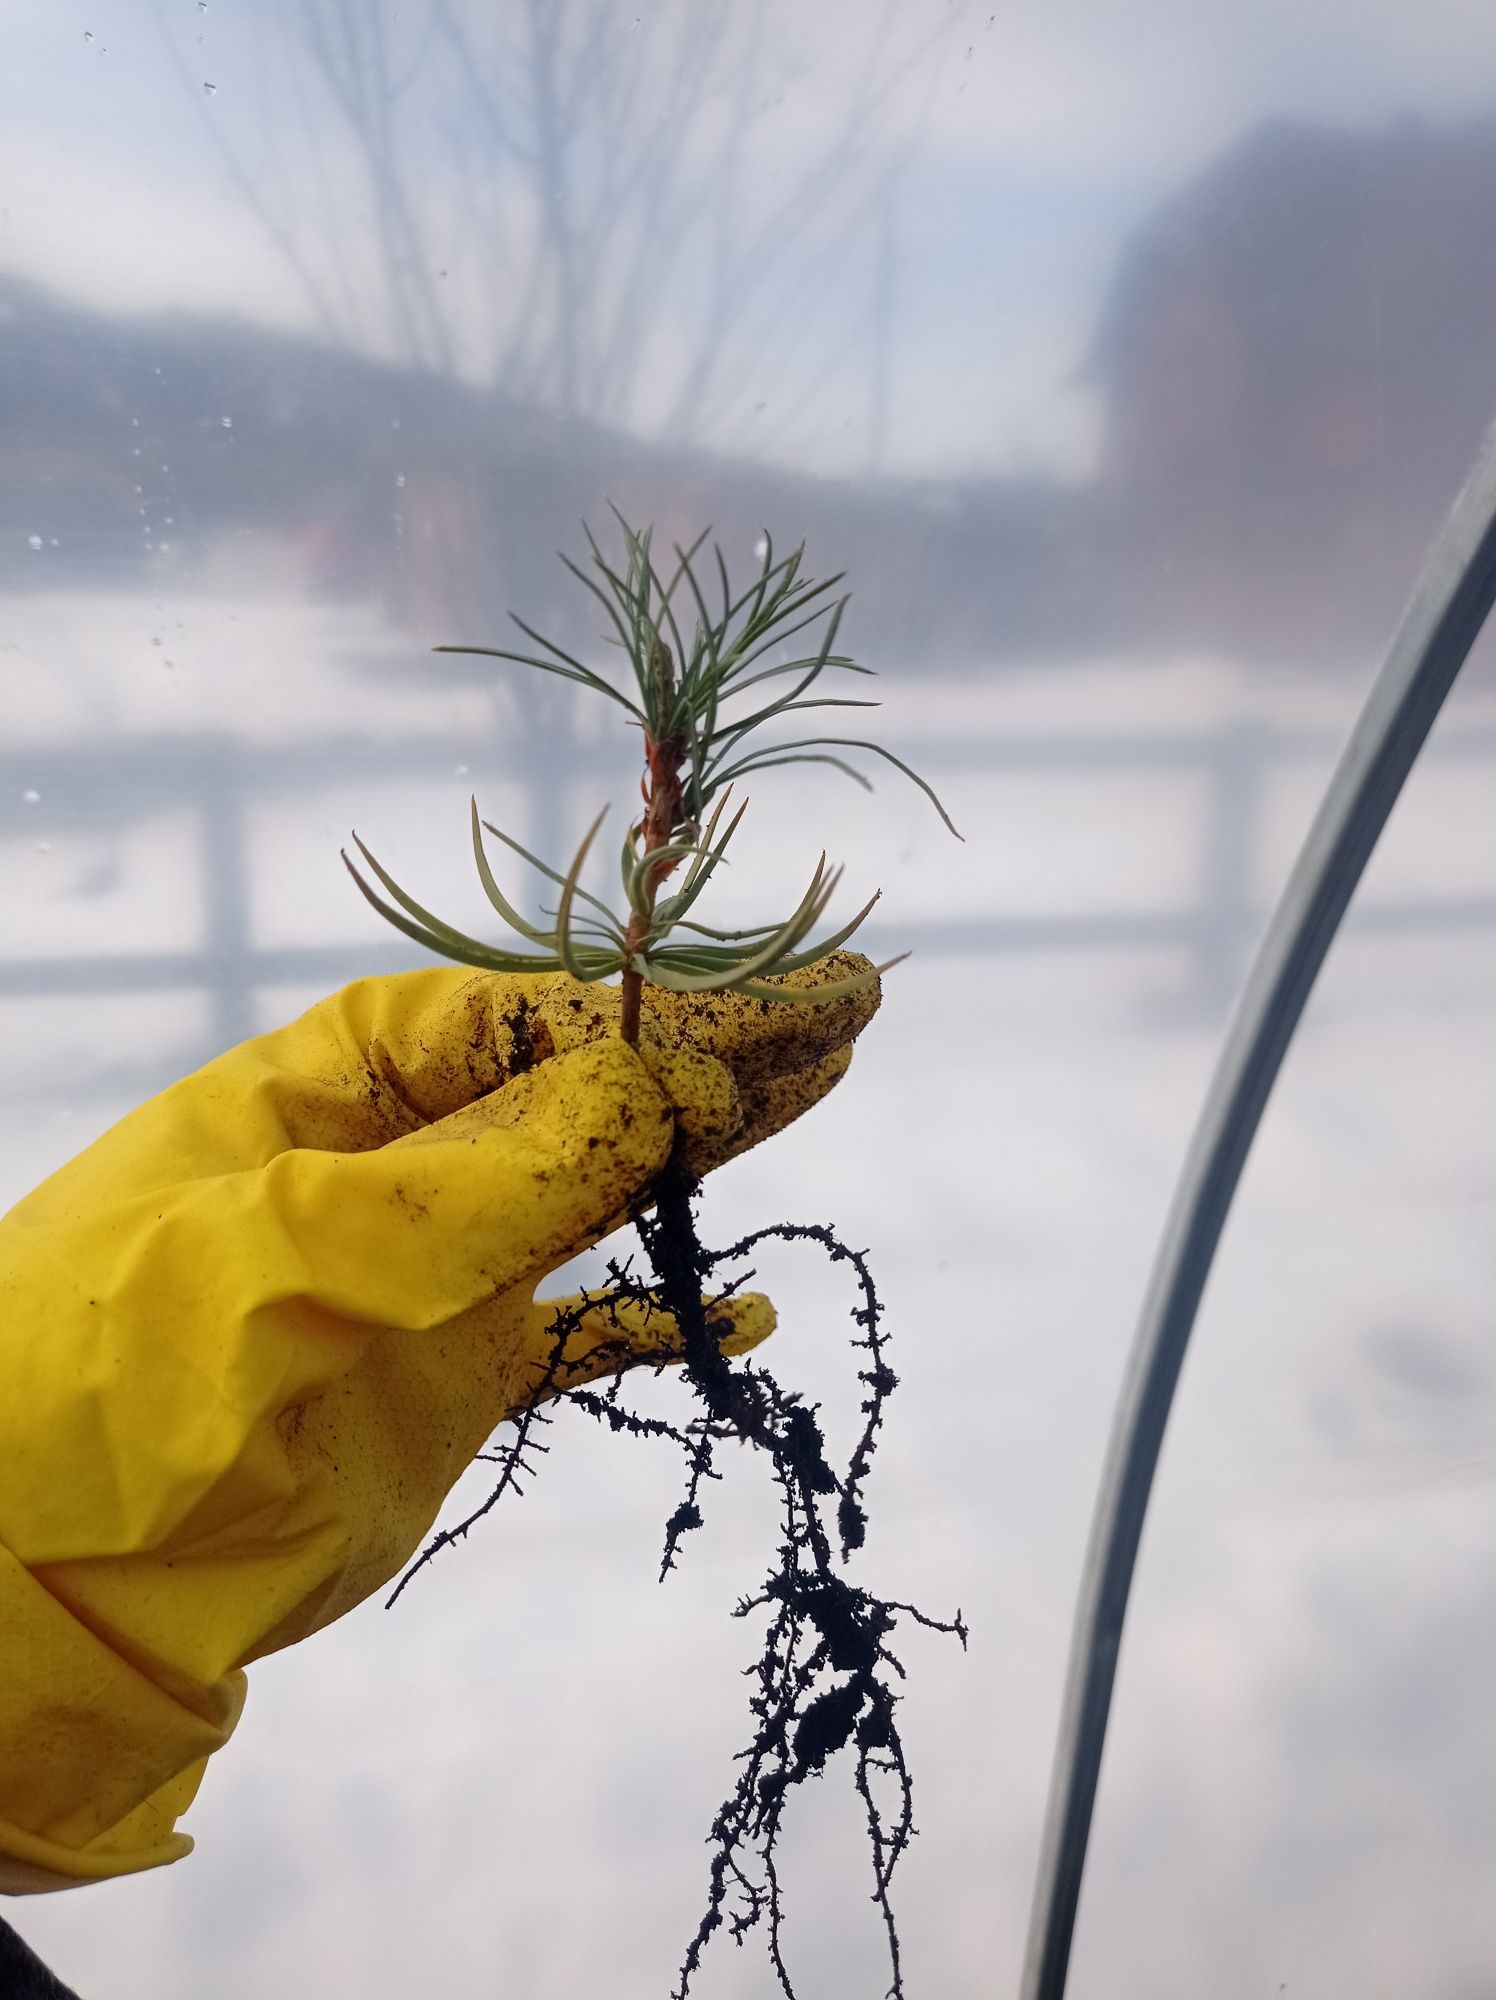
[[221, 780]]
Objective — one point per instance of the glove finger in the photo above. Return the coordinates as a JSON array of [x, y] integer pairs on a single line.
[[367, 1065], [703, 1097], [438, 1039], [708, 1109], [754, 1039], [377, 1059], [716, 1121], [770, 1105], [576, 1340], [413, 1233], [761, 1039]]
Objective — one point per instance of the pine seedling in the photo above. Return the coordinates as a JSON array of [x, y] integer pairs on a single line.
[[700, 707], [826, 1678]]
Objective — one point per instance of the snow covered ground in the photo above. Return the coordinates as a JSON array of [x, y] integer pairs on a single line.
[[503, 1786]]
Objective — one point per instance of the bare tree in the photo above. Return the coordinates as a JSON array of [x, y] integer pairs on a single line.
[[574, 205]]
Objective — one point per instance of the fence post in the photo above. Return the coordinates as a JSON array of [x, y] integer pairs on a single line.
[[226, 896]]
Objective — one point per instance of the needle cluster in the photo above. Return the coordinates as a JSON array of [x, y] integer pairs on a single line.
[[699, 703]]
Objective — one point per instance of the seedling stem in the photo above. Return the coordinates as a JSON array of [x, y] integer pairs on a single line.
[[662, 816]]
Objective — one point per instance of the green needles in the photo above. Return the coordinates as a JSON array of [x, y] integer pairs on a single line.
[[701, 738]]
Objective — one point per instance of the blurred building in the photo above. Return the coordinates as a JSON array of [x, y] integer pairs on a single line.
[[1297, 362]]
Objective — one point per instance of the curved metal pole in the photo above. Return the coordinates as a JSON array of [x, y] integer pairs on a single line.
[[1448, 608]]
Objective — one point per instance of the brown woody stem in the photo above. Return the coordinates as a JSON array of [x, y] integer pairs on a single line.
[[633, 990], [662, 799]]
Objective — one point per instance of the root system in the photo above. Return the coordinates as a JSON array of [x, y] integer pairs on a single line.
[[826, 1678]]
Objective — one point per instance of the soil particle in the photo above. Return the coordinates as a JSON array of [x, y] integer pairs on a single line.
[[522, 1055], [520, 1039]]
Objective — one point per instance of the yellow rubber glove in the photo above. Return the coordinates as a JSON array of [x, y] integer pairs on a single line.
[[250, 1339]]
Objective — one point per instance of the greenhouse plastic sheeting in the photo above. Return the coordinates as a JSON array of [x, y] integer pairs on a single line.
[[1126, 360]]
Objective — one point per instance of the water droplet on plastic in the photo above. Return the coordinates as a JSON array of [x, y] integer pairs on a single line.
[[210, 90], [227, 423], [135, 423], [399, 478], [44, 847], [170, 521], [88, 34], [202, 6], [761, 547], [33, 541], [54, 542], [460, 771], [30, 798]]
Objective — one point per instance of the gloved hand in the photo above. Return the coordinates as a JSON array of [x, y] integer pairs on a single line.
[[252, 1336]]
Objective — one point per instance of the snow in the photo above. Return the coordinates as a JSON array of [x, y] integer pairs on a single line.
[[505, 1784]]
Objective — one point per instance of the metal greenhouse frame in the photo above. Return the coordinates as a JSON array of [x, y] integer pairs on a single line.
[[1448, 608]]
